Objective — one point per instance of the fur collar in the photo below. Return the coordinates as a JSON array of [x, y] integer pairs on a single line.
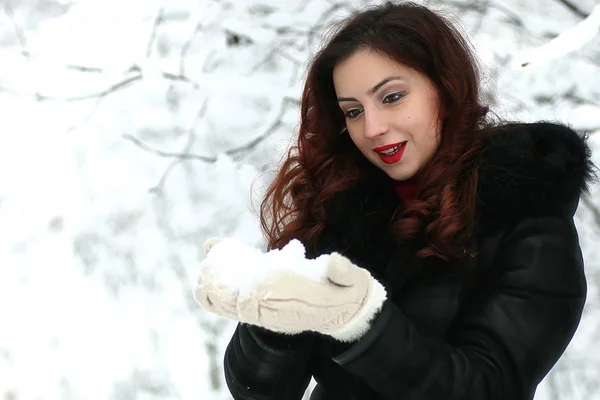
[[527, 170], [532, 170]]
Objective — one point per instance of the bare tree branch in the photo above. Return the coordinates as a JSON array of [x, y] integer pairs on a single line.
[[208, 59], [10, 13], [82, 68], [157, 21], [512, 16], [267, 58], [576, 10], [483, 7], [180, 78], [167, 154], [318, 26], [569, 95], [572, 95], [591, 131], [186, 149], [237, 152], [482, 14], [286, 30], [159, 186], [114, 88], [87, 117], [186, 48], [276, 50], [288, 57]]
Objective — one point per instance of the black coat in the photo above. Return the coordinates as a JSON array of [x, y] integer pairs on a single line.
[[443, 334]]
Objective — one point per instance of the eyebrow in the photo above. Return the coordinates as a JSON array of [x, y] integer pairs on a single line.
[[375, 88]]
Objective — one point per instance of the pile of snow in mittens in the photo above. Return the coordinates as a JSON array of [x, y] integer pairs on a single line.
[[237, 265]]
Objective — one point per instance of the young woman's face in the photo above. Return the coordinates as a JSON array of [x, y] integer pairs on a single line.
[[391, 112]]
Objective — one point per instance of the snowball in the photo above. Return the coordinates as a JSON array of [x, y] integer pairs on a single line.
[[235, 264]]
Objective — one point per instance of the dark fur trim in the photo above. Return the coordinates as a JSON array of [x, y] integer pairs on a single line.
[[532, 170], [527, 170], [358, 222]]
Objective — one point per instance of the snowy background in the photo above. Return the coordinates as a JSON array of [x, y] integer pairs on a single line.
[[132, 130]]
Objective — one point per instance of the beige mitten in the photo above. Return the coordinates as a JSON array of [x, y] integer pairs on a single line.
[[215, 296], [342, 305]]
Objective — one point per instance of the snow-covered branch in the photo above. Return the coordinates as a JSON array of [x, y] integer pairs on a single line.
[[317, 28], [129, 256], [184, 154], [186, 48], [83, 68], [239, 152], [157, 21], [482, 7], [113, 88], [167, 154], [574, 8], [8, 10], [567, 42], [180, 78]]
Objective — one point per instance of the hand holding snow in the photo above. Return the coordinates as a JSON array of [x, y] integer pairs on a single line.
[[284, 292], [240, 267]]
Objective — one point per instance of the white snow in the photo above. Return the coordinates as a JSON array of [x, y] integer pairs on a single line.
[[96, 270], [237, 265], [566, 42]]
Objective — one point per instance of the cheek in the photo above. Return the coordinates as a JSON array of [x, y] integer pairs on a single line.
[[426, 137], [358, 142], [433, 138]]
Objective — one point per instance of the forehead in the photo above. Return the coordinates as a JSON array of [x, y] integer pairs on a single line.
[[365, 68]]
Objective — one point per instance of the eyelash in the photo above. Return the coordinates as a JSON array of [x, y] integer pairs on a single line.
[[349, 114]]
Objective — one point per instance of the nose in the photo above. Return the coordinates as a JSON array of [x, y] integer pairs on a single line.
[[375, 123]]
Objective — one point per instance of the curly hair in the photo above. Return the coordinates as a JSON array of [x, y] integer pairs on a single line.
[[323, 162]]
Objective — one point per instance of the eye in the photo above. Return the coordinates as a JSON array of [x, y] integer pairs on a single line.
[[393, 97], [353, 113]]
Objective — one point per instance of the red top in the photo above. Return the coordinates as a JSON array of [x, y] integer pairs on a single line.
[[407, 189]]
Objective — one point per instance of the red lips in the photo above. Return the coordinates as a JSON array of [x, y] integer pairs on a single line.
[[395, 157], [387, 147]]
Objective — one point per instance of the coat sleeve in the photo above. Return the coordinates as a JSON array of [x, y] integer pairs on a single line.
[[504, 344], [263, 365]]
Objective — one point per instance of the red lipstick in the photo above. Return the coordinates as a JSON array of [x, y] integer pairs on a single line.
[[393, 157], [387, 147]]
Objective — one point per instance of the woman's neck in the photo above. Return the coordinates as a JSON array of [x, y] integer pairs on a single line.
[[407, 189]]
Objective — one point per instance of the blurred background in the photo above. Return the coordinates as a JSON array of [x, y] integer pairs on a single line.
[[133, 130]]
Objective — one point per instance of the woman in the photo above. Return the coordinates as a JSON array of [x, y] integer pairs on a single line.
[[460, 275]]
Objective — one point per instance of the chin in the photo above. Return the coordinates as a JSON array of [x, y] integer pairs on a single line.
[[401, 172], [400, 175]]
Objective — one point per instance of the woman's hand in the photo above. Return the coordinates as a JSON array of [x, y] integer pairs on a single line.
[[213, 296], [341, 305]]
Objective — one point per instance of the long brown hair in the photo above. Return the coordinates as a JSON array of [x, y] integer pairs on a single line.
[[323, 162]]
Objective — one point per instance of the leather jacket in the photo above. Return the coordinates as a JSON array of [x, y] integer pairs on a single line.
[[491, 333]]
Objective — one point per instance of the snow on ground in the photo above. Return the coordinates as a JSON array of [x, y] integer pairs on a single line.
[[132, 131]]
